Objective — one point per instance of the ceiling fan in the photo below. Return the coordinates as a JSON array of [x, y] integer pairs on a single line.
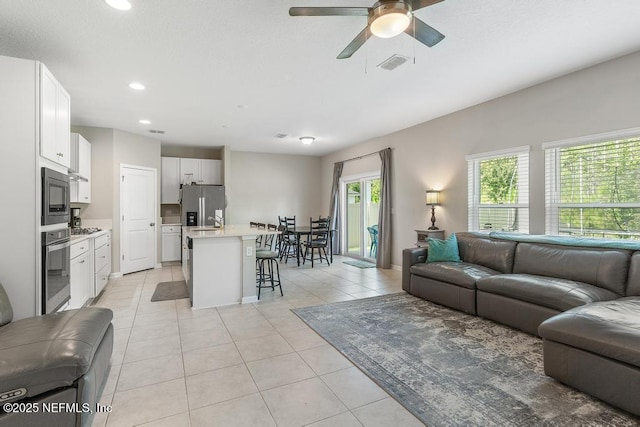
[[386, 18]]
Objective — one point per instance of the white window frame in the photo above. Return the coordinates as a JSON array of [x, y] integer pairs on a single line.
[[473, 169], [552, 181]]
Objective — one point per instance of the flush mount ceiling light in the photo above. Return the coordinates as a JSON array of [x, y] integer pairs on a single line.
[[119, 4], [390, 19], [136, 86], [307, 140], [145, 122]]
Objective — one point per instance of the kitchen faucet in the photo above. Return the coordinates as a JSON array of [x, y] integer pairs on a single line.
[[217, 220]]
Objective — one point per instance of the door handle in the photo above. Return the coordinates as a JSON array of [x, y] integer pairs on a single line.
[[153, 224]]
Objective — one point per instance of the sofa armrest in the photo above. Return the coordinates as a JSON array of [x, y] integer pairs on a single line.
[[411, 256]]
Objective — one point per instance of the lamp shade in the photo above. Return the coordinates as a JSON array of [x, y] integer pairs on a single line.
[[433, 197]]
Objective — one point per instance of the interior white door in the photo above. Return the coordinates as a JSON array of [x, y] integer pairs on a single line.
[[138, 218]]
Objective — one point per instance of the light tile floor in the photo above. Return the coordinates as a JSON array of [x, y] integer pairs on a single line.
[[243, 365]]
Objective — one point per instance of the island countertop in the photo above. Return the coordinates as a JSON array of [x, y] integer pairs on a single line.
[[226, 231]]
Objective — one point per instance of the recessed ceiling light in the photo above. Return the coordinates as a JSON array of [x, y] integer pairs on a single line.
[[307, 140], [136, 86], [145, 122], [119, 4]]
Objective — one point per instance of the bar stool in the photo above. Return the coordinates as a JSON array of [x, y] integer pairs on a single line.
[[268, 277]]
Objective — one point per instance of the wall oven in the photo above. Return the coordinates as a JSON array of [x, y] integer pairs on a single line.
[[55, 197], [56, 263]]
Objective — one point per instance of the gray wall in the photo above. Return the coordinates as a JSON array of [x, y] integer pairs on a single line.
[[264, 186], [109, 149], [598, 99]]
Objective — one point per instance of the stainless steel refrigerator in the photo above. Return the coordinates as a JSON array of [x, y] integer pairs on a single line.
[[202, 205]]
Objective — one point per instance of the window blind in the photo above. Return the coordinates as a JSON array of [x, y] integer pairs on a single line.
[[498, 190], [593, 189]]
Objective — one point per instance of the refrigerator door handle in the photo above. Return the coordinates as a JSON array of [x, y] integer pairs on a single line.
[[201, 211]]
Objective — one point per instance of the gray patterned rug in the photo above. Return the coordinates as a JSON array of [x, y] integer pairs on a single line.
[[360, 264], [450, 368]]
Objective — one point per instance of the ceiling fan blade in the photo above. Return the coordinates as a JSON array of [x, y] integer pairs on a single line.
[[355, 44], [329, 11], [424, 33], [419, 4]]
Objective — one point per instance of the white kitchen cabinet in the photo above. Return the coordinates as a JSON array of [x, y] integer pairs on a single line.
[[102, 261], [55, 115], [201, 171], [190, 171], [80, 274], [170, 178], [80, 150], [171, 245], [211, 172]]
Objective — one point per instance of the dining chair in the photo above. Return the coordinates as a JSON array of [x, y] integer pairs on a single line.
[[289, 242], [317, 239]]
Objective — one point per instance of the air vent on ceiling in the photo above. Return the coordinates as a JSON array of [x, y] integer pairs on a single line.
[[281, 135], [393, 62], [156, 131]]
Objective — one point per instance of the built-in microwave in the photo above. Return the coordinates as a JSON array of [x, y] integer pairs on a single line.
[[55, 197]]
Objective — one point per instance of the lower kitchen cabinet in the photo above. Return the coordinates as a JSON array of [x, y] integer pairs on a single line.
[[102, 261], [171, 243], [80, 274]]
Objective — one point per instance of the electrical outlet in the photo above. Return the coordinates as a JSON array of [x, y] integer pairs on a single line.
[[249, 251]]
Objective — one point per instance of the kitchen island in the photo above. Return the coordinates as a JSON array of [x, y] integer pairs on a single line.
[[219, 264]]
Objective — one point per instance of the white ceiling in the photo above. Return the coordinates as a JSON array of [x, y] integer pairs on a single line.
[[238, 73]]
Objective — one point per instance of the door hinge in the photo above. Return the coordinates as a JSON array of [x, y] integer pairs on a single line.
[[123, 217], [123, 257], [122, 178]]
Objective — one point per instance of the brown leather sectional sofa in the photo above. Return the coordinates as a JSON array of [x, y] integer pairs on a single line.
[[582, 296]]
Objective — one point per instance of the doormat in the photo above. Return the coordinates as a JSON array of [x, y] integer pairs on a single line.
[[170, 290], [360, 264], [451, 368]]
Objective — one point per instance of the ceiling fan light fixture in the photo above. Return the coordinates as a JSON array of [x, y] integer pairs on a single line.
[[307, 140], [390, 19]]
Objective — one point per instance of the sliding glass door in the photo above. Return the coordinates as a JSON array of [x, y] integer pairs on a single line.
[[361, 198]]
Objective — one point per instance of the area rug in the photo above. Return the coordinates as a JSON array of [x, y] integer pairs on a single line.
[[360, 264], [450, 368], [170, 290]]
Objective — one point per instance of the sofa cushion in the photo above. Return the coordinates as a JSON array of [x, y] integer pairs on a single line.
[[482, 250], [610, 329], [457, 273], [551, 292], [605, 268], [45, 352], [443, 250], [633, 283]]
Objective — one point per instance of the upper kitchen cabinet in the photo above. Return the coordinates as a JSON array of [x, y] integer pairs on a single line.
[[211, 172], [170, 177], [80, 169], [201, 171], [55, 113]]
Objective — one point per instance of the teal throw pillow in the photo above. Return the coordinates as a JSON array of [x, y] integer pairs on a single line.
[[443, 250]]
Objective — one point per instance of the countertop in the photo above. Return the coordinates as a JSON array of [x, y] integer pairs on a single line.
[[171, 223], [227, 231], [76, 238]]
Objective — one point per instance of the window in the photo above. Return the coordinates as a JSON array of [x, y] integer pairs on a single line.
[[499, 190], [593, 186]]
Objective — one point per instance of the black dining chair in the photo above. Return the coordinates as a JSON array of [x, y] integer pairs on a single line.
[[317, 240], [289, 239]]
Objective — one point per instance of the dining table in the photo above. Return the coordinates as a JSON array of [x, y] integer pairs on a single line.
[[305, 230]]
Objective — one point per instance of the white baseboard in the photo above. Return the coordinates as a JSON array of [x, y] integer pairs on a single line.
[[396, 267], [247, 300], [115, 275], [158, 266]]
